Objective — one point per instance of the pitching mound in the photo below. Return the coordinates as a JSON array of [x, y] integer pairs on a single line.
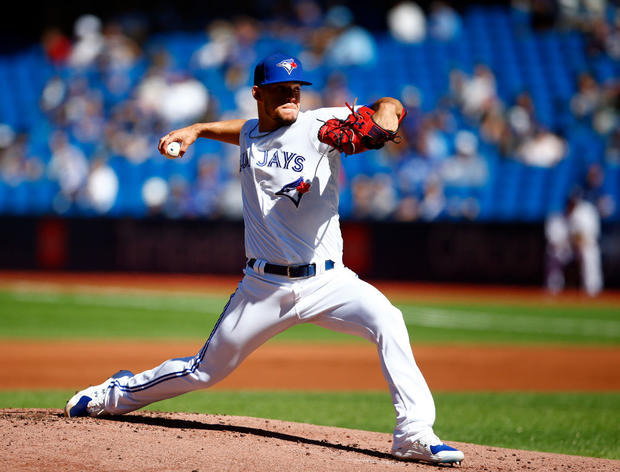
[[36, 440]]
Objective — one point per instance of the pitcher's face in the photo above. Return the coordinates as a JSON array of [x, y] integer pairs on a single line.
[[280, 102]]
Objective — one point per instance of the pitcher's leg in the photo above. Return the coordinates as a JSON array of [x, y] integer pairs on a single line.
[[360, 309], [246, 323], [355, 307]]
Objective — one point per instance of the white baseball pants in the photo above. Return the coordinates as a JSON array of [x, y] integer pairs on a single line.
[[591, 269], [266, 305]]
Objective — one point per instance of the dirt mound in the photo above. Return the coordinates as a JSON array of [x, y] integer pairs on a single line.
[[39, 440]]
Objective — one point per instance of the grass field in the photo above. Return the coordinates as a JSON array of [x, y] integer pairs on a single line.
[[55, 316], [573, 423]]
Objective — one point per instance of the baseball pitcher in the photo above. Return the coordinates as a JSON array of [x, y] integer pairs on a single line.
[[289, 166]]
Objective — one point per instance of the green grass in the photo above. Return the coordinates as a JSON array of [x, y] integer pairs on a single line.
[[570, 423], [60, 316]]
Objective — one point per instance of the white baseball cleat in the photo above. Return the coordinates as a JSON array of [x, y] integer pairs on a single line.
[[427, 447], [91, 401]]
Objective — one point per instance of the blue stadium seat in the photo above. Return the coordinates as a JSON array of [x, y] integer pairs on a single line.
[[535, 186]]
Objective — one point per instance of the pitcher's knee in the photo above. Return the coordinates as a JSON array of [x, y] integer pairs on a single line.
[[211, 372], [392, 324], [394, 318]]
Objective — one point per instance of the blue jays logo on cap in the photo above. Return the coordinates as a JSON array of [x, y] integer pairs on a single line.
[[288, 65], [278, 68]]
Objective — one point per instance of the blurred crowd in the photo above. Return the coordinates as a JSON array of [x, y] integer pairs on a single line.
[[113, 89]]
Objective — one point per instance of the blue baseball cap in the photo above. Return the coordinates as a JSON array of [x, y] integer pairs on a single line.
[[278, 68]]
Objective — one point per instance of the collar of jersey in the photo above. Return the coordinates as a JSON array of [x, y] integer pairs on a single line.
[[267, 133]]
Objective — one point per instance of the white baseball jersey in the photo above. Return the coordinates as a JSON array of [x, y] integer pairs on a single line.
[[290, 190]]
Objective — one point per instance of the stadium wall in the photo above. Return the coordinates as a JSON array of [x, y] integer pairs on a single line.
[[489, 253]]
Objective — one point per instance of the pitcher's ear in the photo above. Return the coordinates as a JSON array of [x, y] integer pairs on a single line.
[[256, 92]]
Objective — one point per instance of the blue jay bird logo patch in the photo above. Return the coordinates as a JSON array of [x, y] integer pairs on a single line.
[[295, 190]]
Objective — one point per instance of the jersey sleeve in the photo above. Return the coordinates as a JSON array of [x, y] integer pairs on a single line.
[[245, 129]]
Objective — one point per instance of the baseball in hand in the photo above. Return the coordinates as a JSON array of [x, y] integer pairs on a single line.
[[173, 149]]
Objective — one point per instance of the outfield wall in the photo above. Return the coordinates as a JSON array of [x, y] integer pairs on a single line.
[[502, 253]]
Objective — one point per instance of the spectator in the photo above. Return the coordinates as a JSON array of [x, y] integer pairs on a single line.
[[308, 14], [15, 166], [247, 33], [361, 190], [522, 116], [69, 167], [543, 14], [174, 98], [407, 22], [102, 186], [76, 105], [466, 168], [129, 132], [152, 86], [433, 204], [89, 41], [155, 191], [433, 140], [444, 23], [412, 173], [479, 92], [597, 34], [408, 209], [579, 14], [218, 48], [456, 89], [352, 45], [508, 129], [57, 45], [587, 98], [230, 49], [336, 91], [178, 202], [11, 149], [184, 99], [412, 99], [230, 204], [205, 192], [594, 193], [612, 42], [542, 149], [383, 201], [612, 147], [494, 128], [312, 99], [373, 197], [119, 50]]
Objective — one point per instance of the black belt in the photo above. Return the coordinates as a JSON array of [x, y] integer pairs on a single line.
[[292, 271]]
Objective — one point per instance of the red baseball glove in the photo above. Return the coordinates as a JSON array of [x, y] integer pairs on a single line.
[[358, 133]]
